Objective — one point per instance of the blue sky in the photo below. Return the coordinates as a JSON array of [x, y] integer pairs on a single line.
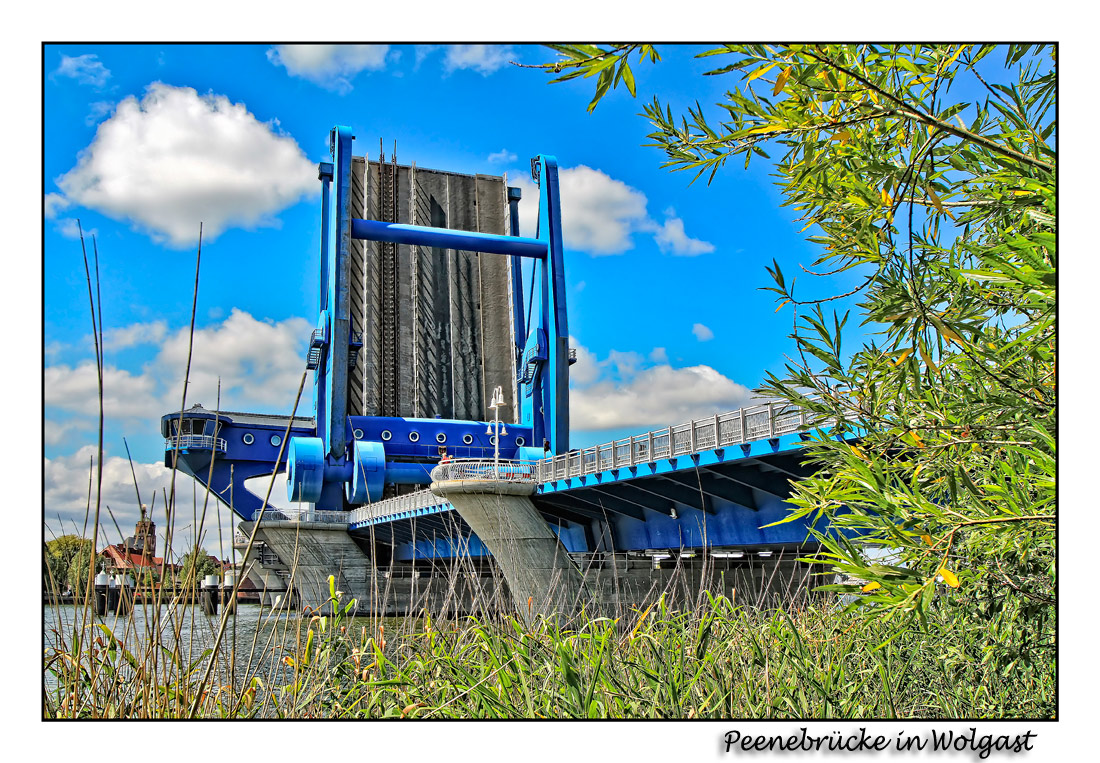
[[144, 141]]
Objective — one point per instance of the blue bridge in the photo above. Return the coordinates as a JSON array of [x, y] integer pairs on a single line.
[[421, 313]]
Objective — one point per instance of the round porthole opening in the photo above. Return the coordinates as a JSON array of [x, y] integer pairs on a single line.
[[275, 439], [358, 434], [520, 442], [248, 439], [414, 436], [441, 438], [386, 435], [468, 439]]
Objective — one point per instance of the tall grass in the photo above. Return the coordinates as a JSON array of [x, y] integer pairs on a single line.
[[718, 660]]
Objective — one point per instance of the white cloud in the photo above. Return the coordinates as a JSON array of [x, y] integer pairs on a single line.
[[653, 396], [57, 432], [422, 52], [259, 363], [52, 204], [625, 391], [125, 395], [702, 333], [70, 227], [670, 237], [97, 111], [587, 369], [176, 158], [330, 66], [66, 497], [485, 59], [600, 215], [85, 69], [135, 334], [504, 155]]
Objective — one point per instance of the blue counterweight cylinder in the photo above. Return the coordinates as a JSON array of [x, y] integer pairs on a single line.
[[305, 469], [368, 474]]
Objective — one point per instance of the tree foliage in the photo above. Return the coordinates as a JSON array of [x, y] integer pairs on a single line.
[[926, 175], [83, 559], [202, 563], [58, 559]]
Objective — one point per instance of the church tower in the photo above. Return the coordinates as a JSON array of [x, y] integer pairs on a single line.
[[144, 539]]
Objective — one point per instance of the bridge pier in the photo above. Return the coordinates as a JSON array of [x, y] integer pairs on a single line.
[[308, 552], [541, 576], [295, 558]]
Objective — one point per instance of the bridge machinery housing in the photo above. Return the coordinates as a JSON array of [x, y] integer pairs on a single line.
[[422, 314]]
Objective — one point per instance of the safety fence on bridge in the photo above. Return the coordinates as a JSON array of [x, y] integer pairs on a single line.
[[758, 422], [399, 504], [302, 515], [487, 469]]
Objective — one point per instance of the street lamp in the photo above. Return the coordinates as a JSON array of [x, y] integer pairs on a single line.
[[498, 425]]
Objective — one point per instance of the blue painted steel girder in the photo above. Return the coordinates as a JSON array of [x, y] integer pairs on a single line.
[[445, 238], [709, 483], [440, 532], [555, 403], [334, 382], [721, 497]]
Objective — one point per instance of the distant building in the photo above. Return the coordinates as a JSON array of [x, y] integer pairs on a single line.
[[137, 552]]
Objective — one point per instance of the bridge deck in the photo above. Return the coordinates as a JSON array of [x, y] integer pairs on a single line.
[[710, 482]]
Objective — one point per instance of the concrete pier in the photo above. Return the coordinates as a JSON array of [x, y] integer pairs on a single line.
[[295, 559], [304, 554], [541, 575]]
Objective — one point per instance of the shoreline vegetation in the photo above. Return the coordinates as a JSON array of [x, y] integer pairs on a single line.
[[806, 658]]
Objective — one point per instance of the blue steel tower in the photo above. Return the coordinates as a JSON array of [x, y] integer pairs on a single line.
[[364, 443]]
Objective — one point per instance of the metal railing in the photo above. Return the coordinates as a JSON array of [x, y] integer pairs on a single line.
[[486, 469], [273, 515], [396, 505], [303, 515], [758, 422], [196, 441], [324, 517]]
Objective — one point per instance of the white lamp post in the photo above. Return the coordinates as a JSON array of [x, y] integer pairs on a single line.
[[498, 425]]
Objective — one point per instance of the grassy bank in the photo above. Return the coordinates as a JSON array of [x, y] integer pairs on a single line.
[[720, 660]]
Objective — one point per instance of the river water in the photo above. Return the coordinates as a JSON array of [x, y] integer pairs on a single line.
[[252, 644]]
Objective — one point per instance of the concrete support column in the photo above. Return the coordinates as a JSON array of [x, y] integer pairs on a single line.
[[309, 552], [541, 576]]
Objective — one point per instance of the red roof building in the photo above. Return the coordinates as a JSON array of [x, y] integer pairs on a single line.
[[120, 558], [137, 551]]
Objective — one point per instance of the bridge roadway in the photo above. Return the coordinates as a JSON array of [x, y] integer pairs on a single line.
[[716, 482]]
